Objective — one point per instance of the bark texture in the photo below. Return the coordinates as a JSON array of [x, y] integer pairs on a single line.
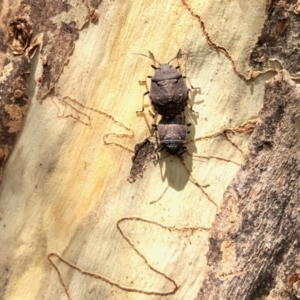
[[50, 26], [278, 38], [65, 194], [254, 242]]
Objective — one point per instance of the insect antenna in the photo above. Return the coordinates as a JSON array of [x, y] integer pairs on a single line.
[[150, 57], [179, 55]]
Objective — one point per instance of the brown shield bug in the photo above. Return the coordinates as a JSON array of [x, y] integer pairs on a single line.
[[169, 93], [172, 134]]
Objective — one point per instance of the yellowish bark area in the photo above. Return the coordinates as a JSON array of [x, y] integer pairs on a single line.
[[64, 191]]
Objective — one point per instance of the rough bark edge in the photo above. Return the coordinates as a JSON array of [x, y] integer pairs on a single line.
[[253, 241], [28, 27]]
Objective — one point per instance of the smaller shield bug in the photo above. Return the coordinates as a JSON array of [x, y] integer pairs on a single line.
[[172, 134]]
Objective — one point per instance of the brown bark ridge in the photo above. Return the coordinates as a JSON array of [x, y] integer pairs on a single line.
[[254, 240]]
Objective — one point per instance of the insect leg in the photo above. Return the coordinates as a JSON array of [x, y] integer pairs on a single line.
[[143, 82], [193, 90], [159, 147]]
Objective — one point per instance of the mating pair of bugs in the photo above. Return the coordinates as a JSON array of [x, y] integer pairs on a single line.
[[169, 96]]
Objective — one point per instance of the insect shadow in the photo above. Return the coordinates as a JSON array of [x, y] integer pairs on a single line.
[[178, 164]]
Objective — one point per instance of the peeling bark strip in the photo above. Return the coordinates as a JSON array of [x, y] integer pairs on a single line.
[[36, 23], [144, 152], [254, 241], [280, 37]]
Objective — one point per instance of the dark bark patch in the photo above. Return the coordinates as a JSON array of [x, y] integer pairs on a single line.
[[19, 35], [144, 152], [279, 38]]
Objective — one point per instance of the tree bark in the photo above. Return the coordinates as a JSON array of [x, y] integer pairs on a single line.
[[254, 241], [73, 226]]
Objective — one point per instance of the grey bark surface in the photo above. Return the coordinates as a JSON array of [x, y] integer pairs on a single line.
[[254, 242]]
